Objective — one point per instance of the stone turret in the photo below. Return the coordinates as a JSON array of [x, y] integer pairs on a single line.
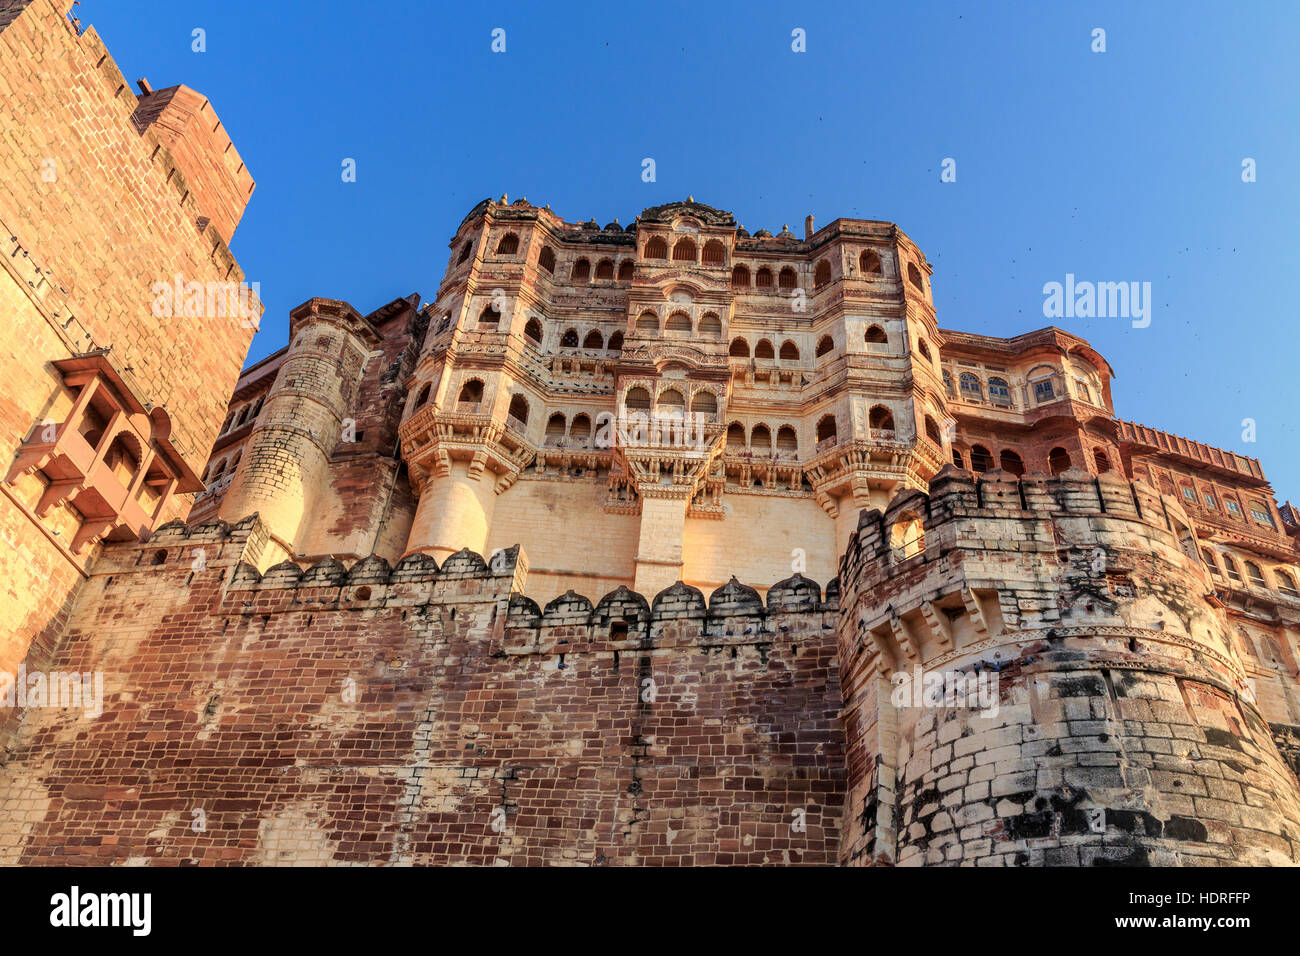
[[304, 418]]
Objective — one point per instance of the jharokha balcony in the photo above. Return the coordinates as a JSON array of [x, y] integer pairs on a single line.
[[110, 458]]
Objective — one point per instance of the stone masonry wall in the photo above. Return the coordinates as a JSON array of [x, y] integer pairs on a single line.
[[426, 715], [92, 213], [1119, 730]]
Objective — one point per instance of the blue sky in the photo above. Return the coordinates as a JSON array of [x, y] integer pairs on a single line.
[[1115, 166]]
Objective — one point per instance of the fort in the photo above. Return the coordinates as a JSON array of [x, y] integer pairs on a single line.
[[400, 594]]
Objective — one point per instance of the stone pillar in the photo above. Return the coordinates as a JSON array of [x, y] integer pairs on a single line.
[[454, 512], [663, 530]]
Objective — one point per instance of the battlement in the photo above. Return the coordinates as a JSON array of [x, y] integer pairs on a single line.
[[1033, 514], [989, 555], [182, 120]]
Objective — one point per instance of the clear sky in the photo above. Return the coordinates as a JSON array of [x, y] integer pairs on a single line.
[[1117, 166]]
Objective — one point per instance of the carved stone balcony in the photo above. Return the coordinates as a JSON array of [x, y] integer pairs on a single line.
[[111, 459]]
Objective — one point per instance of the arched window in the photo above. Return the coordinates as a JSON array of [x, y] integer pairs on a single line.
[[825, 345], [570, 339], [257, 409], [760, 440], [981, 459], [647, 322], [739, 348], [679, 322], [764, 350], [787, 441], [869, 263], [555, 429], [581, 270], [714, 253], [625, 269], [533, 331], [637, 398], [423, 398], [615, 343], [519, 409], [740, 277], [826, 430], [789, 351], [876, 335], [580, 431], [932, 431], [956, 459], [1261, 513], [822, 274], [1231, 569], [489, 319], [880, 418], [546, 259], [1058, 459], [656, 248], [464, 252], [509, 245], [1102, 461], [605, 269], [705, 403], [1285, 582], [230, 420], [1208, 557], [999, 392], [1012, 462], [924, 348], [971, 390], [684, 250], [787, 279], [710, 325], [471, 393], [736, 437], [594, 340], [1255, 574], [1042, 383], [914, 276], [671, 401], [763, 278], [243, 416], [907, 536]]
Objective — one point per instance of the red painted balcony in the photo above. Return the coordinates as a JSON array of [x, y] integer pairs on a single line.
[[111, 459]]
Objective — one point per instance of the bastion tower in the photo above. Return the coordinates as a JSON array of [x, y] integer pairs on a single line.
[[1120, 725]]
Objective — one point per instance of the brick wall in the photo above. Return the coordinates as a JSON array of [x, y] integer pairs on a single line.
[[483, 730]]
